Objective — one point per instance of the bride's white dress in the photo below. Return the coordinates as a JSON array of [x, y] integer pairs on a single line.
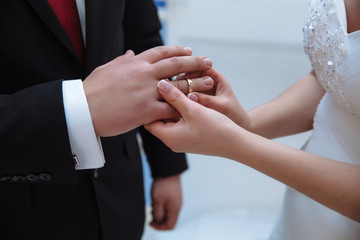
[[335, 56]]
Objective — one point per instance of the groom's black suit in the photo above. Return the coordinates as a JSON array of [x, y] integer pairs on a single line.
[[41, 195]]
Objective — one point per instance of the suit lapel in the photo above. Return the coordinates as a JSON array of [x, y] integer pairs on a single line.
[[93, 22], [43, 9]]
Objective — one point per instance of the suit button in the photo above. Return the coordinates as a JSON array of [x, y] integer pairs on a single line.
[[45, 177], [18, 179], [32, 177], [96, 173], [5, 178]]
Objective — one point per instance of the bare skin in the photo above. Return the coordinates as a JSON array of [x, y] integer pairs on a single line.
[[353, 15], [244, 136], [166, 195], [128, 85], [310, 174], [122, 95]]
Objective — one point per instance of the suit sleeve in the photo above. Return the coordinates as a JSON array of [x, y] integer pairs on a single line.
[[34, 139], [142, 26]]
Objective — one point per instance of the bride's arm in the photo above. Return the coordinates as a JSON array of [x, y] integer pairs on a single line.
[[205, 131], [290, 113], [332, 183]]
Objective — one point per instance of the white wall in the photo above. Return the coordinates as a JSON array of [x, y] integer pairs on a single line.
[[257, 45]]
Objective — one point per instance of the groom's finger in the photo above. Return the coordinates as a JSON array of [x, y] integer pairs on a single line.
[[158, 212], [162, 52], [195, 84], [165, 111], [175, 65], [172, 213]]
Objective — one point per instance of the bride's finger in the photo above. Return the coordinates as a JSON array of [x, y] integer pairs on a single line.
[[206, 100], [188, 85]]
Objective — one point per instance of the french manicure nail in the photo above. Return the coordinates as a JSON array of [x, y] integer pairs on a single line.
[[188, 50], [208, 81], [193, 97], [208, 61], [164, 86]]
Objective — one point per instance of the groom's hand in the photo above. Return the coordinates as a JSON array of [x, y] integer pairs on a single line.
[[122, 94], [166, 195]]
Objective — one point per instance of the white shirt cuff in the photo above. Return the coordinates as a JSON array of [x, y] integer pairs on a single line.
[[85, 145]]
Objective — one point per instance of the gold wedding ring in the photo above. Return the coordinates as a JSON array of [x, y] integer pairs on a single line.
[[188, 80], [190, 84]]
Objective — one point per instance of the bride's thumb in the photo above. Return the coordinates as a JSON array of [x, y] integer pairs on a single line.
[[174, 97]]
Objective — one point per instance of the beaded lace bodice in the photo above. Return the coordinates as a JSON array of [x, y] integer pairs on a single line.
[[328, 45]]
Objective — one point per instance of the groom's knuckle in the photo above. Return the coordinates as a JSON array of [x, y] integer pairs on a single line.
[[162, 50], [176, 84], [176, 63], [184, 86], [199, 61], [179, 85]]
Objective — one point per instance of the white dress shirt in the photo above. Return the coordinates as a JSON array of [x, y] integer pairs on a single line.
[[85, 145]]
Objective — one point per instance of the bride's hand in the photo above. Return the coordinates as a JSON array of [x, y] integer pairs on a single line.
[[201, 130], [221, 98]]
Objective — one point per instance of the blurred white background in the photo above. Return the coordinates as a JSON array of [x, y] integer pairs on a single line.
[[257, 45]]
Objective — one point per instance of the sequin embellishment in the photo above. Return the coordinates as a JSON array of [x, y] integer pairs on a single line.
[[325, 43]]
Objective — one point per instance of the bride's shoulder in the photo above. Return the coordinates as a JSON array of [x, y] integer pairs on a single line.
[[325, 5]]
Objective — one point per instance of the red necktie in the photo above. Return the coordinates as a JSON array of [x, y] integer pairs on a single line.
[[67, 13]]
